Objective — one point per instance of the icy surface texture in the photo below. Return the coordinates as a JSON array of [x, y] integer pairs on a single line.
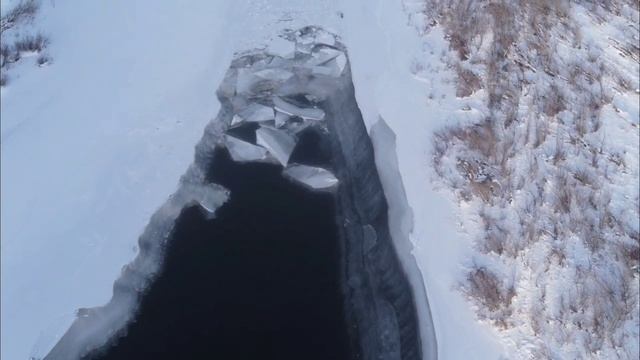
[[313, 177], [279, 143], [281, 89], [293, 110], [244, 151]]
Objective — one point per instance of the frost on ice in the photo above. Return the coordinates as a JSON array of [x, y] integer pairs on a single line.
[[244, 151], [279, 143], [313, 177]]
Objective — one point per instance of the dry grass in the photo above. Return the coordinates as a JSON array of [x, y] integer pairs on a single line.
[[540, 157]]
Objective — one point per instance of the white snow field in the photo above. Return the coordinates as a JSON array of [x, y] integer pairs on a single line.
[[94, 143]]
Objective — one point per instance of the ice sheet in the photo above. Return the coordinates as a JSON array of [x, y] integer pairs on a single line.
[[256, 112], [243, 151], [314, 177], [291, 109]]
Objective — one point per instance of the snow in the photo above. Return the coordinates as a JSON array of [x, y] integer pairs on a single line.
[[278, 142], [314, 177], [93, 144], [244, 151]]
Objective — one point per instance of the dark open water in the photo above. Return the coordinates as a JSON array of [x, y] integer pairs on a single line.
[[260, 281]]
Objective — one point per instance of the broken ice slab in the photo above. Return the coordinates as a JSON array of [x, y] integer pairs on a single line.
[[209, 196], [313, 177], [236, 120], [281, 119], [323, 55], [245, 79], [244, 151], [324, 37], [274, 74], [341, 61], [277, 142], [281, 47], [293, 110], [333, 67], [255, 112]]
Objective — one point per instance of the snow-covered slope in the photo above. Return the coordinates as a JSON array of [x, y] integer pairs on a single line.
[[541, 152]]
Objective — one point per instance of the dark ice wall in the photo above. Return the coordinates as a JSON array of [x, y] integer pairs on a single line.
[[379, 298]]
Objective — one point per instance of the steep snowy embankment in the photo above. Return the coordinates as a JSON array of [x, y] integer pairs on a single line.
[[383, 52]]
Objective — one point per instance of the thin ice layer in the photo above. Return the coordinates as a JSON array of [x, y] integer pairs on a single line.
[[314, 177], [279, 143], [244, 151]]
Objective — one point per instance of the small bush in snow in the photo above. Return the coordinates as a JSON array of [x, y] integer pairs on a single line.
[[43, 60], [31, 43]]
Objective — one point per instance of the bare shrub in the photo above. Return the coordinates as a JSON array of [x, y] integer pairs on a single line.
[[485, 287], [23, 12], [468, 82], [43, 60], [5, 53], [31, 43]]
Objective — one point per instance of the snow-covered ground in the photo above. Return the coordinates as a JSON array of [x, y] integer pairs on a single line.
[[94, 143]]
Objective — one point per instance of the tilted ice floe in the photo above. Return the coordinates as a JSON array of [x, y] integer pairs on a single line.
[[313, 177], [324, 55], [244, 151], [279, 143], [293, 110], [281, 118], [256, 112], [208, 196], [271, 88]]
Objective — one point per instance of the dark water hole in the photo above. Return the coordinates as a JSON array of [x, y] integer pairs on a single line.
[[260, 281]]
